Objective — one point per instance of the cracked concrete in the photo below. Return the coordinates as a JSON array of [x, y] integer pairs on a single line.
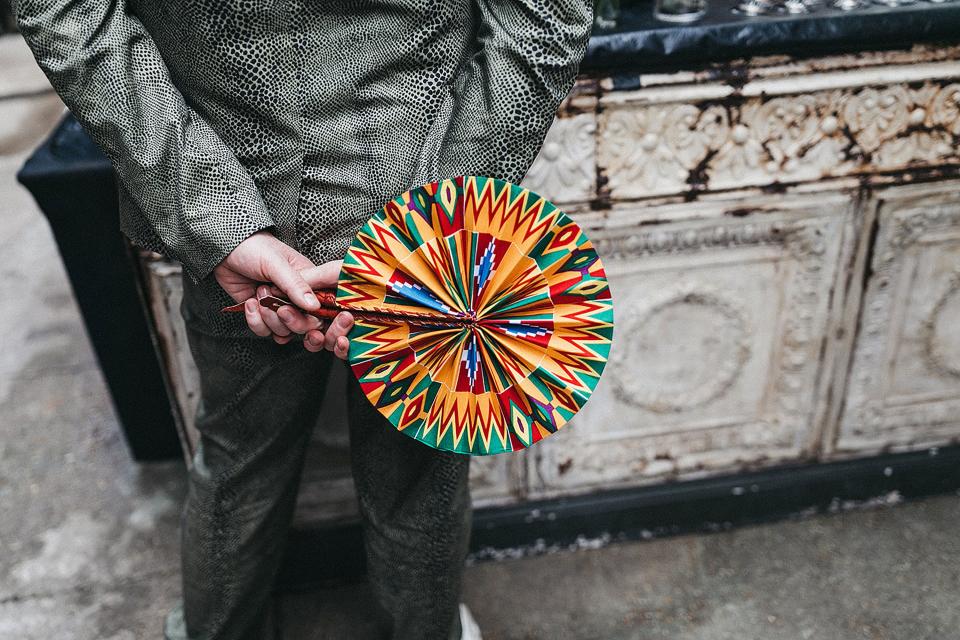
[[89, 545], [886, 573], [88, 539]]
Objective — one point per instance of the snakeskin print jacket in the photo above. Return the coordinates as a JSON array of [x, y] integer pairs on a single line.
[[225, 117]]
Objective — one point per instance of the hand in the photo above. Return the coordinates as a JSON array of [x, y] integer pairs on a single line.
[[335, 338], [263, 258]]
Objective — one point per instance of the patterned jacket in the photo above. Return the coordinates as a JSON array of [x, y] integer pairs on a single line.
[[224, 117]]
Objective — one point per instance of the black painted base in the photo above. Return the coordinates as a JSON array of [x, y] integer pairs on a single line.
[[323, 556], [73, 183]]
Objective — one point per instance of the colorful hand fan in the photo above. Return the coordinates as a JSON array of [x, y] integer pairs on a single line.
[[483, 317]]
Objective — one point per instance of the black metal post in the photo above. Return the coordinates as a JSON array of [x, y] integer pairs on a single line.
[[74, 184]]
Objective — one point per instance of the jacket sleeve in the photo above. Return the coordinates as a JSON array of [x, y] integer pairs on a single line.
[[188, 185], [504, 97]]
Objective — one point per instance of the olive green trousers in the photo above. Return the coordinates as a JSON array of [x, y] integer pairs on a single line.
[[259, 403]]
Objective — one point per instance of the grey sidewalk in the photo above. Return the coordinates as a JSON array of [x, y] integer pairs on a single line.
[[89, 550], [885, 574]]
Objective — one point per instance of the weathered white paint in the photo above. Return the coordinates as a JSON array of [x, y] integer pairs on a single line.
[[719, 329], [164, 291], [904, 385], [675, 147]]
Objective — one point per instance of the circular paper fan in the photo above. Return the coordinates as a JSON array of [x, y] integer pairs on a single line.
[[508, 315]]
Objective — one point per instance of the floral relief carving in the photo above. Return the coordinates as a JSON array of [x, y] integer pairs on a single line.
[[662, 148], [656, 148], [875, 116], [691, 133], [919, 146], [740, 155], [945, 108], [787, 126], [637, 153], [565, 171]]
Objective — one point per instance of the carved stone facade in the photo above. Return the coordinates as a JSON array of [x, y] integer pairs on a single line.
[[781, 293], [565, 167], [904, 385], [717, 350], [673, 148]]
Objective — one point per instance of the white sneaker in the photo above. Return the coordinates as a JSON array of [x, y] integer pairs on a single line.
[[470, 630]]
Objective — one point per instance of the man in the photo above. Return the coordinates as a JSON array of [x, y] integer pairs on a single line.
[[251, 140]]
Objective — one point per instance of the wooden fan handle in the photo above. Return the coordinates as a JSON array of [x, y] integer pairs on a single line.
[[329, 308], [327, 298]]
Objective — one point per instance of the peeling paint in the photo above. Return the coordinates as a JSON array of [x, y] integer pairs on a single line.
[[540, 547]]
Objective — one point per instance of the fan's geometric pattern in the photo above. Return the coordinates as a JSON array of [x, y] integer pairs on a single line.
[[531, 319]]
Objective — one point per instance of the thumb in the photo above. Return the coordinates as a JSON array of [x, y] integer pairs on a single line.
[[324, 275], [289, 280]]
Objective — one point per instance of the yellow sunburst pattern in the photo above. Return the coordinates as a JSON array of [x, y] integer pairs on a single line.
[[526, 298]]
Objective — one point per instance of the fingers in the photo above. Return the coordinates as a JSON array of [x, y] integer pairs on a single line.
[[342, 348], [324, 275], [269, 316], [285, 322], [334, 339], [280, 325], [289, 280], [338, 329], [251, 310], [313, 341], [297, 321]]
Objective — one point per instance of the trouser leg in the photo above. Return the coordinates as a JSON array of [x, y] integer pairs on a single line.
[[415, 505], [259, 404]]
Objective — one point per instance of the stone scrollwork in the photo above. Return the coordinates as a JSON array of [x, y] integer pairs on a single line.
[[662, 147], [692, 132], [740, 155], [914, 230], [788, 126], [919, 146], [706, 375], [657, 148], [639, 150], [940, 336], [945, 109], [565, 169], [877, 115]]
